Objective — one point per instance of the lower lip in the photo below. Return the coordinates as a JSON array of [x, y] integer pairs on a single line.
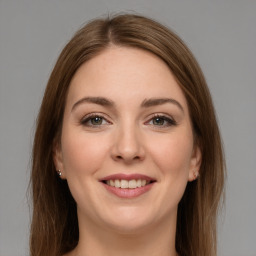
[[128, 192]]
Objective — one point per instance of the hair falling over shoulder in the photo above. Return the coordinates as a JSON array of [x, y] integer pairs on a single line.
[[54, 227]]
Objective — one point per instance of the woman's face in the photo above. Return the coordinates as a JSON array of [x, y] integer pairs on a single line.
[[126, 123]]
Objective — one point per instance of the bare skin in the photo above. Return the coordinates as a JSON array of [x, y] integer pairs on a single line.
[[126, 115]]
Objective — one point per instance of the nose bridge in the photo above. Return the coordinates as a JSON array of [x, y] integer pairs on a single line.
[[128, 144]]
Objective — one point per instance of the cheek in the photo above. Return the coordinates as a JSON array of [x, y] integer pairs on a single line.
[[173, 154], [82, 154]]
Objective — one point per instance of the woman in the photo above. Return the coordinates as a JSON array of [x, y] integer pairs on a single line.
[[127, 156]]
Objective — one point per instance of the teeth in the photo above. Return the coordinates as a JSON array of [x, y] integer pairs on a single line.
[[124, 183], [117, 183], [132, 184], [127, 183]]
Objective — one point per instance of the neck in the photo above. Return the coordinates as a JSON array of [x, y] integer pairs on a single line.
[[159, 239]]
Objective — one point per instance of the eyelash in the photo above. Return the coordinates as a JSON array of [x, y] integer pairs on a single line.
[[88, 118], [168, 121]]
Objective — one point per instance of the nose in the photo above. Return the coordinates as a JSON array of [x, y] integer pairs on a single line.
[[128, 145]]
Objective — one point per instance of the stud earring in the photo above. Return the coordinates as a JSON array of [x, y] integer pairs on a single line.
[[59, 172], [196, 175]]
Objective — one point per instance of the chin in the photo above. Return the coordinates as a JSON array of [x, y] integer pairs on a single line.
[[129, 228], [129, 221]]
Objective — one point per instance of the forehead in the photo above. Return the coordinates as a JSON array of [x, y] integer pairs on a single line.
[[125, 74]]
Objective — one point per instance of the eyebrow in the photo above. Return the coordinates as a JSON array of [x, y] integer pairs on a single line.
[[145, 104], [161, 101], [95, 100]]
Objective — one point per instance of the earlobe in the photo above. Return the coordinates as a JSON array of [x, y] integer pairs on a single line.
[[58, 160], [195, 164]]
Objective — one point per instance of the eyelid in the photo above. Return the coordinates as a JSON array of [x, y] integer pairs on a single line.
[[166, 117], [89, 116], [171, 121]]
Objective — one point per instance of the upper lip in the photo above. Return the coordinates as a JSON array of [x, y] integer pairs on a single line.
[[123, 176]]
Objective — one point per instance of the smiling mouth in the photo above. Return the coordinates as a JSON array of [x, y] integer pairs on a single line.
[[128, 184]]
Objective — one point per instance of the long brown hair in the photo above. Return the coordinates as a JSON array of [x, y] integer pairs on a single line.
[[54, 227]]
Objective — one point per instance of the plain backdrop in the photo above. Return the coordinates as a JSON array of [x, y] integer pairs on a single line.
[[222, 36]]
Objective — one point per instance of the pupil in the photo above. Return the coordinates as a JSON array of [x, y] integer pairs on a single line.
[[97, 120], [158, 121]]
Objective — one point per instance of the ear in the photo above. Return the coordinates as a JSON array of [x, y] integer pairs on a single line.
[[195, 163], [58, 159]]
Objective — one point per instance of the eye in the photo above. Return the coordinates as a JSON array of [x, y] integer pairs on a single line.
[[94, 120], [161, 121], [158, 121]]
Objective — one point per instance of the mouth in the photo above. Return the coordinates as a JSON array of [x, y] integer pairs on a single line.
[[128, 186], [131, 184]]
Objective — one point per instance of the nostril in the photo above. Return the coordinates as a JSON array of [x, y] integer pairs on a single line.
[[135, 158]]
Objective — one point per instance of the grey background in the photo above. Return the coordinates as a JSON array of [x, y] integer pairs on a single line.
[[221, 34]]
